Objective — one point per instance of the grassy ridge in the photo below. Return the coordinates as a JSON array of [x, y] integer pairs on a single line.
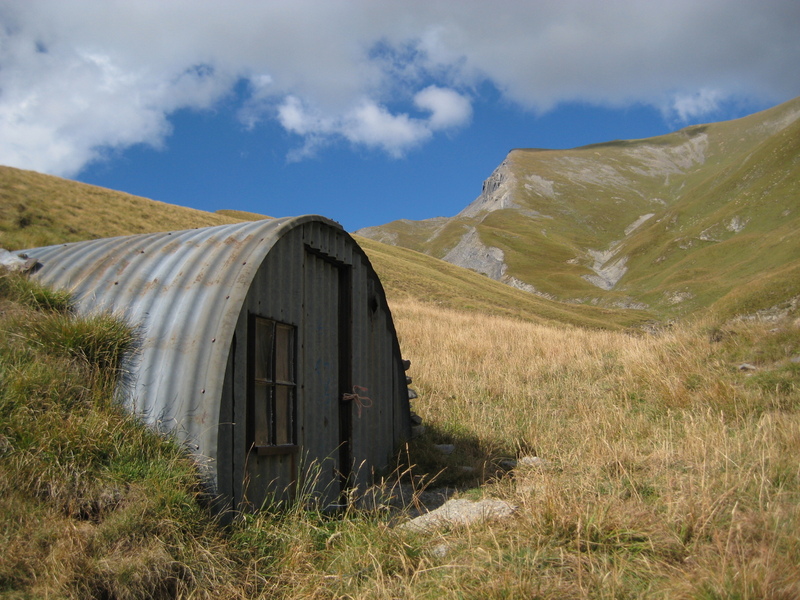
[[709, 257], [407, 274], [40, 210], [722, 200]]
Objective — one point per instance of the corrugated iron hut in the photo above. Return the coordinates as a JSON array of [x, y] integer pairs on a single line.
[[267, 346]]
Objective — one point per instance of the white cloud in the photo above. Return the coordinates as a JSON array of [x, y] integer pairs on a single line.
[[448, 108], [376, 127], [294, 117], [689, 106], [372, 125], [80, 78]]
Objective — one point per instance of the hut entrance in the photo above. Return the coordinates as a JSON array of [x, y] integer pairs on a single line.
[[327, 351]]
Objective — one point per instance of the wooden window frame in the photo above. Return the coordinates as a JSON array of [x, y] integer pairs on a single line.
[[266, 443]]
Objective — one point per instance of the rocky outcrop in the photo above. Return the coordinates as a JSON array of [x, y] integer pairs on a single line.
[[607, 272], [497, 193], [608, 268], [471, 253]]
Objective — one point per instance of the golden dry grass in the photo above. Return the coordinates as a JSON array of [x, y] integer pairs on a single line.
[[669, 473], [40, 210]]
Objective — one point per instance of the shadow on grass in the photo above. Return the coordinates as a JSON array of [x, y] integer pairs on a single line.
[[454, 458], [433, 467]]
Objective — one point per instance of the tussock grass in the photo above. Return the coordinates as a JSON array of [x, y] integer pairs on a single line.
[[667, 472], [92, 503], [19, 290]]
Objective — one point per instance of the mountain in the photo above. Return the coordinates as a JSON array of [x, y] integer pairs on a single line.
[[41, 210], [708, 215]]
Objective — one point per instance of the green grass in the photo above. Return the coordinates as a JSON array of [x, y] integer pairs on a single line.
[[405, 273], [92, 503], [19, 290], [700, 183]]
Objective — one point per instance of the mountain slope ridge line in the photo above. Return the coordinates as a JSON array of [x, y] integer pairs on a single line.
[[620, 223]]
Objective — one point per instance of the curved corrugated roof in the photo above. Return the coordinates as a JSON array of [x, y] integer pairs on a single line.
[[183, 291]]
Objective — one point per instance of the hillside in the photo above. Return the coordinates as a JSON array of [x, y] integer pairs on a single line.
[[637, 466], [704, 216], [662, 471], [41, 210]]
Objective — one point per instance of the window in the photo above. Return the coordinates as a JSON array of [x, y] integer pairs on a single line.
[[273, 385]]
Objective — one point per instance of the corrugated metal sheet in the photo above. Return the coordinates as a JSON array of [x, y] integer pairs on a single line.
[[189, 294], [183, 291]]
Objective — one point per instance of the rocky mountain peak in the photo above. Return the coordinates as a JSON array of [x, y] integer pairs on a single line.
[[668, 223], [497, 192]]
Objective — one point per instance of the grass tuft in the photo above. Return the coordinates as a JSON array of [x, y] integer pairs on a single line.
[[16, 288]]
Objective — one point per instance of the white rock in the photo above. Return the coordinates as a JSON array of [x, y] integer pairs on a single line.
[[445, 448], [12, 262], [440, 550], [460, 512]]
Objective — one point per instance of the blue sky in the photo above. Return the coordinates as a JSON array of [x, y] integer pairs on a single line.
[[365, 111], [210, 162]]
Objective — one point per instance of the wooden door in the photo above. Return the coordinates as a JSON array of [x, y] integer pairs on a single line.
[[327, 368]]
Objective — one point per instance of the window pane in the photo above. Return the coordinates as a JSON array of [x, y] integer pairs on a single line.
[[283, 414], [261, 414], [273, 371], [284, 353], [263, 347]]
